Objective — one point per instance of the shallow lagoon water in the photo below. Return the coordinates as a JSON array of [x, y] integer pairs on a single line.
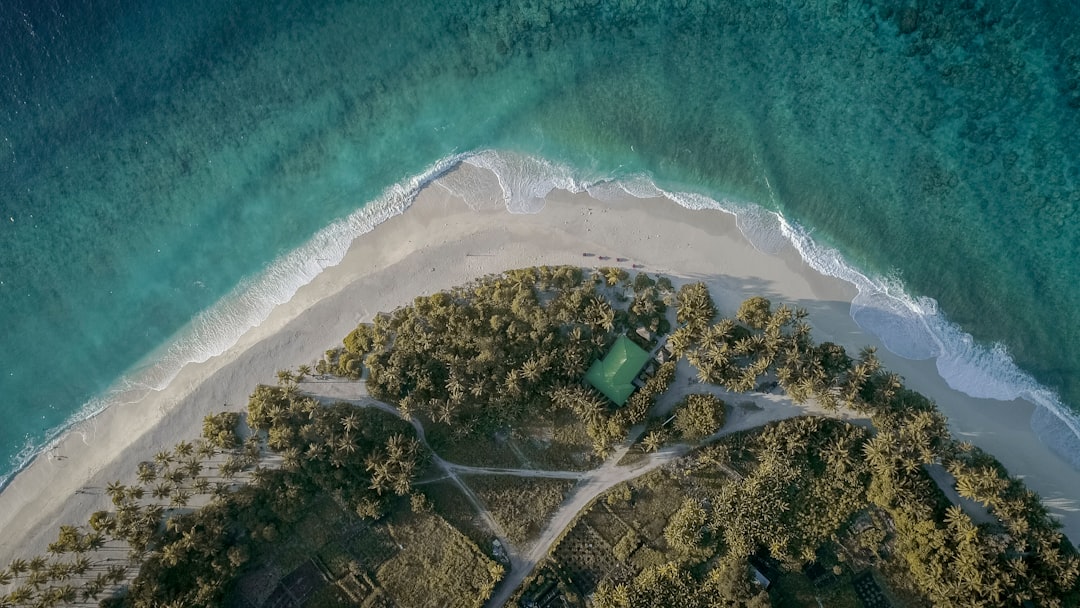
[[172, 168]]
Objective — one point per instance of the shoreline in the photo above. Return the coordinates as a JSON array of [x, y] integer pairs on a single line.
[[442, 241]]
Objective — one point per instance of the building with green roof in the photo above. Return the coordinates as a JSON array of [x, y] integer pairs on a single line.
[[614, 374]]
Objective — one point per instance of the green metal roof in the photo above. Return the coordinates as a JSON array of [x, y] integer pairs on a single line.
[[614, 374]]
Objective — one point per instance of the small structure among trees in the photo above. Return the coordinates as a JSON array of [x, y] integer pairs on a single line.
[[614, 374]]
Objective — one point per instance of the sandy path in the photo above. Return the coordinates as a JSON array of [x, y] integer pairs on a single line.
[[461, 468], [593, 484]]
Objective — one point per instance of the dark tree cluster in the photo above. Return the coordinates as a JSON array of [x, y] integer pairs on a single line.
[[509, 348], [812, 476]]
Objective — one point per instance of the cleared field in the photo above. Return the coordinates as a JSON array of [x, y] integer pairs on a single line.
[[521, 505], [438, 566]]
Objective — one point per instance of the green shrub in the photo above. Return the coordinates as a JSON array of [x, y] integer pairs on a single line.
[[219, 430], [698, 416]]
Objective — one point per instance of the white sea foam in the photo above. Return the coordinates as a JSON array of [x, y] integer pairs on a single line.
[[215, 330], [911, 327], [914, 328], [218, 328], [526, 180]]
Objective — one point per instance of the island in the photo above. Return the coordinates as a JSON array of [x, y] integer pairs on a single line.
[[570, 435]]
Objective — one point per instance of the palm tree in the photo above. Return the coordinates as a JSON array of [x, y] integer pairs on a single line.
[[193, 468], [350, 423], [116, 574], [171, 553], [92, 590], [80, 565], [653, 441], [115, 490], [221, 490], [18, 566], [477, 389], [532, 369], [94, 541], [164, 458], [345, 444], [37, 564], [22, 595], [206, 450], [302, 371], [201, 485], [135, 493], [184, 449], [443, 411], [290, 459], [147, 473], [285, 377], [180, 499], [39, 578], [162, 490]]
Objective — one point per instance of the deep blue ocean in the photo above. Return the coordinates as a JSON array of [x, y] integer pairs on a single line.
[[170, 170]]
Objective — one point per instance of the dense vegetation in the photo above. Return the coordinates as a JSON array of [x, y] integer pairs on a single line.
[[509, 349], [805, 491], [808, 483], [256, 495]]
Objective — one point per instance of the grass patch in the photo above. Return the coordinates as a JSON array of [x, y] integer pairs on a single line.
[[451, 504], [561, 445], [330, 596], [438, 566], [521, 505], [476, 450], [654, 497], [792, 590], [633, 456]]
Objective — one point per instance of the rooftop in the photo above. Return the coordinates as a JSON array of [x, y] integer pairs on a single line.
[[614, 374]]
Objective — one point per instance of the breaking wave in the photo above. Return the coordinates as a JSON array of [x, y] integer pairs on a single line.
[[909, 326]]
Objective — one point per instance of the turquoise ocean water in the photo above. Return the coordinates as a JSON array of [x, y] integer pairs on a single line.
[[169, 171]]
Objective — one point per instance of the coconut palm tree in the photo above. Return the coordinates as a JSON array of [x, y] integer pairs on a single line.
[[162, 490], [180, 499], [115, 490], [164, 458], [221, 490], [285, 377], [346, 445], [184, 449], [135, 493], [18, 566], [350, 423], [93, 541], [92, 590], [146, 473], [653, 441], [201, 485], [39, 578], [206, 450], [116, 574], [22, 595], [80, 565]]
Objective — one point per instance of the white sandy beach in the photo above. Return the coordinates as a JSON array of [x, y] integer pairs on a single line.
[[440, 242]]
